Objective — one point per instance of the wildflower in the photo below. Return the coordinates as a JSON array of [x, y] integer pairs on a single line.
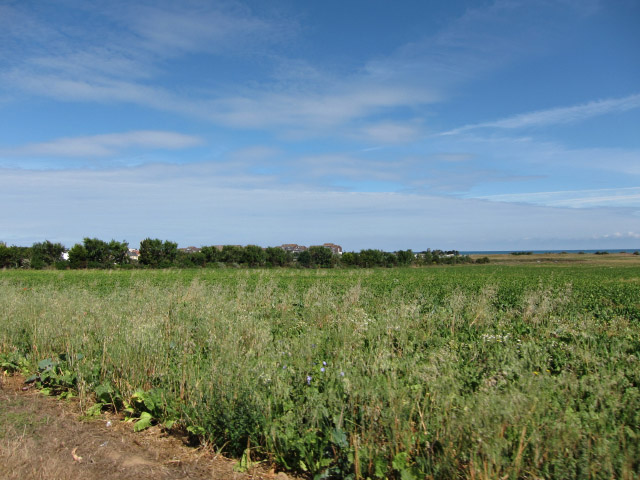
[[322, 369], [284, 367], [342, 374], [308, 379], [324, 363]]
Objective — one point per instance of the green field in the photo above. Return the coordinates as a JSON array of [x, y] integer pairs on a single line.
[[492, 371]]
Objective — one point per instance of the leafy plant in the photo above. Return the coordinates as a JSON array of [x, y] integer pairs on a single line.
[[484, 371], [54, 377], [150, 407], [12, 362]]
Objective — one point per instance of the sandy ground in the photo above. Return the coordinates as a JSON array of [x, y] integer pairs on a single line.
[[46, 438]]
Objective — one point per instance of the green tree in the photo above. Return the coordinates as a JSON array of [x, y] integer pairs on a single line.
[[350, 259], [118, 252], [232, 254], [254, 256], [14, 257], [304, 258], [389, 259], [277, 257], [97, 252], [5, 255], [169, 252], [190, 260], [100, 254], [44, 254], [405, 257], [150, 252], [426, 258], [320, 256], [156, 253], [211, 254], [371, 258], [78, 257]]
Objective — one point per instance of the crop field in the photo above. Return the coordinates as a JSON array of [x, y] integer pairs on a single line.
[[477, 371]]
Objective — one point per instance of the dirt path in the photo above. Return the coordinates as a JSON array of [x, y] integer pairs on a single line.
[[42, 437]]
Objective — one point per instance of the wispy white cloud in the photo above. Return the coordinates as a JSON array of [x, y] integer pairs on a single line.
[[205, 211], [299, 99], [169, 28], [309, 111], [603, 197], [620, 235], [315, 168], [106, 144], [85, 61], [560, 115], [390, 132], [296, 98]]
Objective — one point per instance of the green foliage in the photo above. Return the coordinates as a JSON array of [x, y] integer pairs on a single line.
[[317, 257], [405, 257], [156, 253], [350, 259], [304, 258], [44, 254], [253, 256], [211, 254], [107, 396], [78, 256], [245, 463], [14, 257], [231, 254], [118, 252], [14, 361], [150, 407], [54, 377], [320, 256], [190, 260], [96, 253], [371, 258], [277, 257], [480, 371]]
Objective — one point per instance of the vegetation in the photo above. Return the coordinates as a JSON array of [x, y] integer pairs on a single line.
[[467, 372], [96, 253], [155, 253]]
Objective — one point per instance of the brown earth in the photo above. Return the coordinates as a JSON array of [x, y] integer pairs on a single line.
[[568, 259], [46, 438]]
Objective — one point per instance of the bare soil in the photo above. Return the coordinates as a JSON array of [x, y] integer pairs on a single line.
[[44, 437]]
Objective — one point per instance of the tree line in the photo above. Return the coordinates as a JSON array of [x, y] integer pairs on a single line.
[[155, 253]]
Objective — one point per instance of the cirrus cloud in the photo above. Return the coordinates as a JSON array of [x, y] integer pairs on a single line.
[[106, 144]]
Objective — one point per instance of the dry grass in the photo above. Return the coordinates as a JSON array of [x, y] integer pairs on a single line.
[[611, 259], [472, 371], [44, 438]]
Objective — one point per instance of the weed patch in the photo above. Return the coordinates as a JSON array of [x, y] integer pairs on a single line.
[[473, 372]]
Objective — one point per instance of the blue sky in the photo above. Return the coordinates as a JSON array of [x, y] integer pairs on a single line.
[[372, 124]]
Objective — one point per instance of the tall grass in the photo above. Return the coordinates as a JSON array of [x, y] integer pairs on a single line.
[[469, 373]]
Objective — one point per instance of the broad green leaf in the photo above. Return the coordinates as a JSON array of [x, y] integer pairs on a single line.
[[143, 423]]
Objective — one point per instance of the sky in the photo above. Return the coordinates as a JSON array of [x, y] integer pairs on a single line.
[[485, 125]]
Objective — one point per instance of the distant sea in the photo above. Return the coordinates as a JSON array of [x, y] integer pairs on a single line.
[[496, 252]]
